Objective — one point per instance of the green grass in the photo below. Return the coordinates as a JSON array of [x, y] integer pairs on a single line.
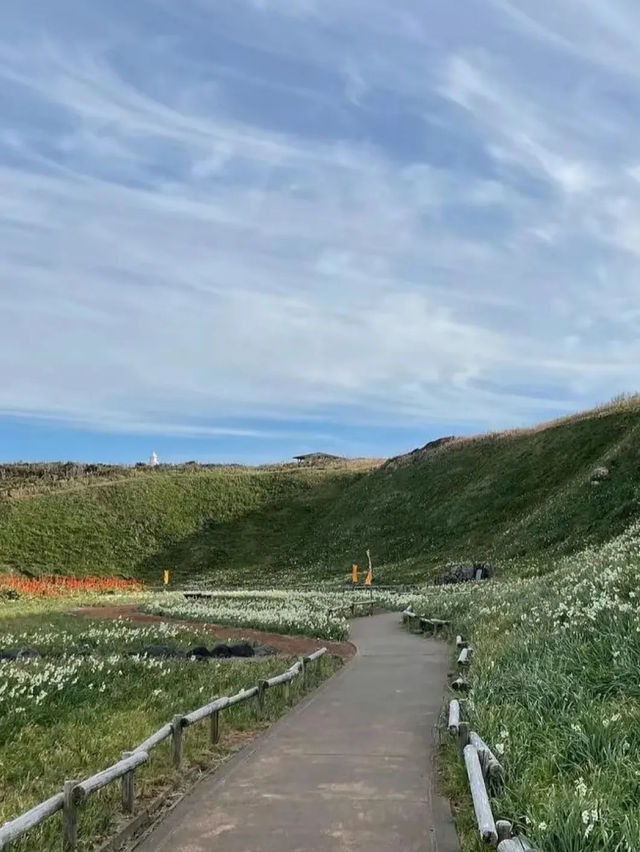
[[65, 716], [557, 634], [507, 498], [555, 690], [223, 518]]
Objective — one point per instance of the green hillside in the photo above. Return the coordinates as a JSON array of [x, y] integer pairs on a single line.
[[133, 526], [505, 497], [514, 495]]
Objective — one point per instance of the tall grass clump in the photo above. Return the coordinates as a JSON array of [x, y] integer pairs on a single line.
[[556, 690]]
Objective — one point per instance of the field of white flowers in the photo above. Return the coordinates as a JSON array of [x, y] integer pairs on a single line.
[[307, 613], [91, 695], [556, 689]]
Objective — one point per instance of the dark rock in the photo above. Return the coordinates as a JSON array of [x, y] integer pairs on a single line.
[[433, 445], [317, 458], [220, 651], [465, 573], [265, 651], [8, 655], [20, 654], [9, 594], [420, 452], [199, 652], [28, 654], [242, 649], [159, 651]]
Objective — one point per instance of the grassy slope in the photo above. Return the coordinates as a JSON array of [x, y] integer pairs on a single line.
[[496, 497], [210, 518], [499, 497]]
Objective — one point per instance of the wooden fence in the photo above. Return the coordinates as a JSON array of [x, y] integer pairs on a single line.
[[351, 609], [484, 771], [419, 624], [75, 792]]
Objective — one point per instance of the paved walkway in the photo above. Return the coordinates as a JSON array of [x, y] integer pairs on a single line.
[[349, 769]]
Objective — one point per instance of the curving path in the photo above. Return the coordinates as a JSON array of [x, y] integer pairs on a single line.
[[349, 769]]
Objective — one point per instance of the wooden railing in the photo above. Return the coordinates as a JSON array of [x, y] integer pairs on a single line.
[[484, 770], [351, 609], [484, 773], [75, 792], [418, 624]]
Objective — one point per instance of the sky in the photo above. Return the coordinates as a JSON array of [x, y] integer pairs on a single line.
[[245, 230]]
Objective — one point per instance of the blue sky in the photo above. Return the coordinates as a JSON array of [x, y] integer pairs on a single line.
[[242, 230]]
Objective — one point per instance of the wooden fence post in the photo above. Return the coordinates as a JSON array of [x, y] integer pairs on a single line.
[[303, 661], [176, 739], [214, 729], [262, 688], [463, 736], [454, 717], [504, 829], [70, 818], [128, 787], [287, 691]]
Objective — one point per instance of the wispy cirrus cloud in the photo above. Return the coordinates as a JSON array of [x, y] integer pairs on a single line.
[[263, 210]]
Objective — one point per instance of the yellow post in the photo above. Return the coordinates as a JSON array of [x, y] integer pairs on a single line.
[[166, 577]]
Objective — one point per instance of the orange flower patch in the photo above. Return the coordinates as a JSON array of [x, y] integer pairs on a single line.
[[55, 586]]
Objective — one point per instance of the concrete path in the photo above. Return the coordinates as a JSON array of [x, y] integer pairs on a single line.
[[349, 769]]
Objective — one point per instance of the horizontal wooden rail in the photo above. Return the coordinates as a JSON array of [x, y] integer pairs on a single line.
[[76, 791], [245, 695], [483, 769], [155, 739], [287, 677], [316, 655], [207, 710], [491, 767], [112, 773], [421, 624], [481, 803], [20, 825], [350, 608]]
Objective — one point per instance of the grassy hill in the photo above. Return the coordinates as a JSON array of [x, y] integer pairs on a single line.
[[510, 497], [504, 496]]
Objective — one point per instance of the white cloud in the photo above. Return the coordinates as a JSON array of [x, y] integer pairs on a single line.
[[181, 255]]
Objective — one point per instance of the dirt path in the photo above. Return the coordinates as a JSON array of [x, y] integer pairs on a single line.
[[290, 645], [349, 770]]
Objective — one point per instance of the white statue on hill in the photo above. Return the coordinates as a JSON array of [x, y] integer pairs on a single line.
[[153, 460]]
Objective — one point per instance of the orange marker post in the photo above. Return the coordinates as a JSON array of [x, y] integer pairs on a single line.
[[354, 573]]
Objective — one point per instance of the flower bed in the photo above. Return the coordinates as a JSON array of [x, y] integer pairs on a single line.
[[277, 611], [55, 586], [555, 691]]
